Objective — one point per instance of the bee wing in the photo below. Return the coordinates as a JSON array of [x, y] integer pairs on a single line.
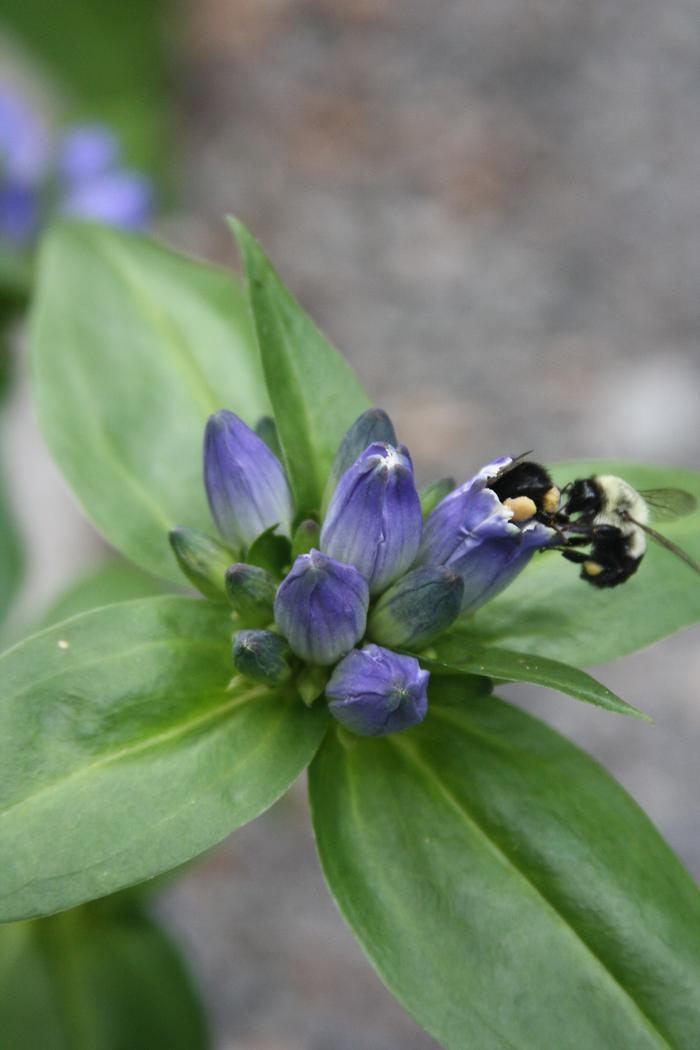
[[667, 545], [668, 504]]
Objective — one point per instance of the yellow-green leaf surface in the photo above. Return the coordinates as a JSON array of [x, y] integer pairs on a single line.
[[314, 392], [508, 891], [124, 750], [133, 347], [549, 611]]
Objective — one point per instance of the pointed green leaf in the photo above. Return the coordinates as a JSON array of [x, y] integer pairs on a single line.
[[125, 750], [456, 656], [508, 891], [550, 611], [98, 977], [133, 347], [314, 392]]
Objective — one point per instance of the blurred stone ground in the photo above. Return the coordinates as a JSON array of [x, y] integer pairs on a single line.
[[493, 209]]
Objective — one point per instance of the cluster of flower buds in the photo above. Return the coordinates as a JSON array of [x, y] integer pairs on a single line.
[[79, 174], [339, 605]]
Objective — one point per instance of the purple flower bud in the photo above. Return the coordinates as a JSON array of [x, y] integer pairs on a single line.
[[246, 485], [86, 151], [19, 212], [471, 532], [374, 518], [374, 691], [372, 426], [321, 608], [417, 608], [23, 140], [119, 198]]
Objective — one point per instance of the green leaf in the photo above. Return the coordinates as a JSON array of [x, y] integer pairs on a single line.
[[314, 392], [133, 347], [125, 750], [455, 656], [11, 556], [508, 891], [102, 978], [107, 584], [548, 610]]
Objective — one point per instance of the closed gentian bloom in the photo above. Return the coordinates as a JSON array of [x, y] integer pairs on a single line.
[[374, 691], [471, 532], [245, 482], [417, 608], [321, 608], [490, 568], [374, 518], [119, 198], [373, 425], [86, 151], [19, 212]]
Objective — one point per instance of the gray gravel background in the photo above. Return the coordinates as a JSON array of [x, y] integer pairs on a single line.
[[493, 209]]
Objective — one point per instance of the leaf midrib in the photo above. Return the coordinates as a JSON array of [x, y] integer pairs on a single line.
[[407, 748], [164, 737]]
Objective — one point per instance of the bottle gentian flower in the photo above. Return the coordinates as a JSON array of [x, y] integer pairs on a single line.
[[417, 608], [246, 485], [471, 532], [372, 426], [374, 518], [374, 691], [321, 608]]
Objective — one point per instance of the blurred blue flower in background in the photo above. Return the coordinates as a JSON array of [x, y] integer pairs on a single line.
[[79, 173]]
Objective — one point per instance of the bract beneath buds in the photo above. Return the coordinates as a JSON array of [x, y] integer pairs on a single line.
[[321, 608], [374, 519], [374, 692], [245, 482]]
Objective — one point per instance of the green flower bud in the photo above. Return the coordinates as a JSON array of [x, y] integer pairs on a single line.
[[305, 537], [418, 608], [432, 494], [261, 656], [203, 560], [251, 591]]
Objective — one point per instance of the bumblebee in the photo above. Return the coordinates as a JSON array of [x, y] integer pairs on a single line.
[[613, 517]]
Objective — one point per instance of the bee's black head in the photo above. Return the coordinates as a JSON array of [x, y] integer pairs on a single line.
[[584, 497]]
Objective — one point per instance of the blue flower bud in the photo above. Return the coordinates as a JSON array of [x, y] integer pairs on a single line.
[[246, 485], [374, 518], [471, 532], [373, 425], [417, 608], [119, 198], [203, 559], [261, 656], [374, 691], [321, 608], [251, 592], [86, 151]]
